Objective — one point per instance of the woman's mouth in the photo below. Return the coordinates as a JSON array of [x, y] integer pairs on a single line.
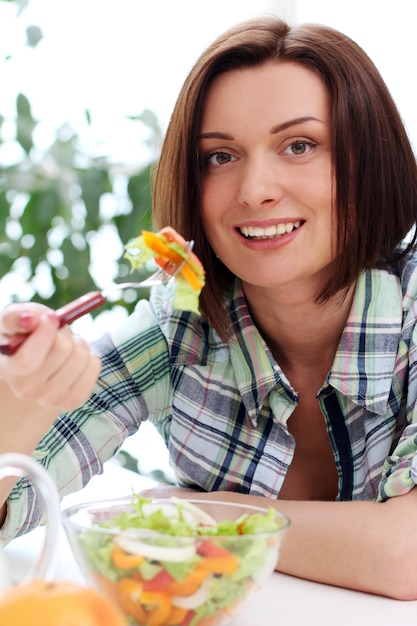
[[273, 231]]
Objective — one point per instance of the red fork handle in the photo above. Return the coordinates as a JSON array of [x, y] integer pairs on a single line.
[[66, 314], [79, 307]]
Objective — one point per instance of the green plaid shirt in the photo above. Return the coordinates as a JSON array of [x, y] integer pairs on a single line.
[[223, 409]]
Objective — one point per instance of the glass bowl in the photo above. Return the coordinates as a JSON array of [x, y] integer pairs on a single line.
[[197, 564]]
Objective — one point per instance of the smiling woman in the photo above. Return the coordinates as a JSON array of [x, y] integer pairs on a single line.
[[273, 124], [294, 383]]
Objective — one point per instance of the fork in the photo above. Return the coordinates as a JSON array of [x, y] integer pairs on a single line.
[[94, 299]]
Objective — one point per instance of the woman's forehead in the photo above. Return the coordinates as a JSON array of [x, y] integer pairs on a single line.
[[273, 93]]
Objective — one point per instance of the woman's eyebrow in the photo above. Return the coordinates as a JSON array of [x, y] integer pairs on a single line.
[[294, 122], [274, 130], [216, 135]]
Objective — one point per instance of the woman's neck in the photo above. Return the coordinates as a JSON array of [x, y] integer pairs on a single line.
[[298, 330]]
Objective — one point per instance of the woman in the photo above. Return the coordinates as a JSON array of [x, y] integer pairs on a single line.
[[287, 162]]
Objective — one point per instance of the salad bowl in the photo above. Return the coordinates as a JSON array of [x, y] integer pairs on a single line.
[[174, 562]]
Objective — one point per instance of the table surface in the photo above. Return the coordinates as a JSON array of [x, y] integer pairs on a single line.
[[283, 598]]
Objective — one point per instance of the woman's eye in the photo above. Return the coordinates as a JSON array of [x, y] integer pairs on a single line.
[[299, 147], [219, 158]]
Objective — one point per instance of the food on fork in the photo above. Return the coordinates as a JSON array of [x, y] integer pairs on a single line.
[[168, 245], [171, 253]]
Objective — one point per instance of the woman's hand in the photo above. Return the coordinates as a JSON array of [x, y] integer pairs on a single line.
[[52, 368]]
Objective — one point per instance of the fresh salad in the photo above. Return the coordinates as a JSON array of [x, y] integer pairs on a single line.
[[169, 246], [171, 564]]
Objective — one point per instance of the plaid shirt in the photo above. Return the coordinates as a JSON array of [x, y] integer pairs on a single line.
[[222, 409]]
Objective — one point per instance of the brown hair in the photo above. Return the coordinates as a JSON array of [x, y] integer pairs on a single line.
[[374, 166]]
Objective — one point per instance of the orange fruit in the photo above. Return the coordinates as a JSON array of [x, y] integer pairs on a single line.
[[58, 603]]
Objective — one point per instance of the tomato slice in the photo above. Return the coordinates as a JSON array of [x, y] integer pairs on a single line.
[[208, 548], [159, 582]]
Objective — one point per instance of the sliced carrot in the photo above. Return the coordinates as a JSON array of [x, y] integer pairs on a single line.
[[170, 256], [155, 243], [189, 585], [164, 253], [124, 560], [187, 271], [158, 615], [219, 564], [191, 277], [130, 599]]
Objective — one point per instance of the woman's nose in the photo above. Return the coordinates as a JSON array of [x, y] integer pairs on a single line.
[[259, 184]]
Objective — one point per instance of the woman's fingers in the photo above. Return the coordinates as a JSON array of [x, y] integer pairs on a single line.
[[21, 318], [71, 383], [52, 368], [65, 379], [32, 354]]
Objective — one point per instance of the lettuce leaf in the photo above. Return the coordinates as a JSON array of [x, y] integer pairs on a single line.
[[185, 297]]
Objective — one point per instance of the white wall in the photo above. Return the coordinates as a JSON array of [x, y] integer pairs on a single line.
[[386, 30], [116, 57]]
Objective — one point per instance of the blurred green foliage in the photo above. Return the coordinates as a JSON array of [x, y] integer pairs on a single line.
[[54, 204]]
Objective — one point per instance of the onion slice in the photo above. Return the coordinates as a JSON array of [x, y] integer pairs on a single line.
[[198, 515], [173, 554], [196, 599]]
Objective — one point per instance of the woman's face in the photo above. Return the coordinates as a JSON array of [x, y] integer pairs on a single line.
[[267, 181]]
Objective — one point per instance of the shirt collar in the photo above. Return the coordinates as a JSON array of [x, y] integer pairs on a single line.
[[364, 361], [365, 358], [363, 364], [256, 371]]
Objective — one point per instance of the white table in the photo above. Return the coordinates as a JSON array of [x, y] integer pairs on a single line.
[[284, 599]]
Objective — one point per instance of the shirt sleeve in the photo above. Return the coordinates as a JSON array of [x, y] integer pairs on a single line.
[[134, 382], [399, 474], [400, 468]]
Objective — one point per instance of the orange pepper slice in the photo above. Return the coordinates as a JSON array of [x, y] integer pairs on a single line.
[[191, 277], [165, 253], [124, 560], [130, 599], [171, 235], [177, 616], [219, 564], [189, 585], [158, 615], [155, 243]]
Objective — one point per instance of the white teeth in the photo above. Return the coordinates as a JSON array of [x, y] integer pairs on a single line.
[[269, 231]]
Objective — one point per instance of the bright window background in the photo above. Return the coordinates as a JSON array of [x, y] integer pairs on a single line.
[[118, 57]]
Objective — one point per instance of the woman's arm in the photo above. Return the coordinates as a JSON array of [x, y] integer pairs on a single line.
[[52, 371], [366, 546]]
